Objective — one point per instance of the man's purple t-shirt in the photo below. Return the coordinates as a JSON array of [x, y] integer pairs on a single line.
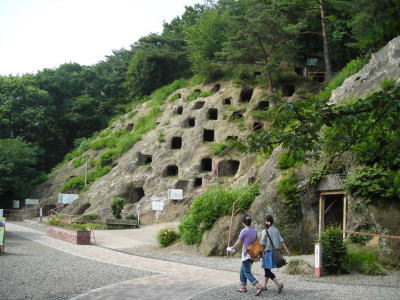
[[248, 235]]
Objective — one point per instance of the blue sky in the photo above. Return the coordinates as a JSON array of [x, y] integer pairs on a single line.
[[38, 34]]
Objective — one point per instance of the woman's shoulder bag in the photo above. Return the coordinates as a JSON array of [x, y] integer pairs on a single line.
[[278, 258]]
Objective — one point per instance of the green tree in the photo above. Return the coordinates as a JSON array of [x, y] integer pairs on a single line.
[[28, 112], [156, 61], [263, 37], [205, 40], [18, 167]]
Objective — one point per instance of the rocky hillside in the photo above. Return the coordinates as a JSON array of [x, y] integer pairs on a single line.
[[185, 149], [179, 152]]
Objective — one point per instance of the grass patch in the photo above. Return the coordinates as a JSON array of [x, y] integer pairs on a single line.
[[210, 206], [364, 263]]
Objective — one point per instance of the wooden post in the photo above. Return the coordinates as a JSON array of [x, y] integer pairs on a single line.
[[321, 214], [344, 215]]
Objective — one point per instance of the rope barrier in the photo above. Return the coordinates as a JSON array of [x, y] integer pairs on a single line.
[[373, 234]]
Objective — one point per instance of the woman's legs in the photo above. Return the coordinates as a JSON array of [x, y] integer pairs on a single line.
[[270, 275], [246, 267]]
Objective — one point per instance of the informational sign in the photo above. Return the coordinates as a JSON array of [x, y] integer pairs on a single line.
[[175, 194], [157, 203], [1, 213], [16, 204], [67, 198], [32, 201], [312, 61]]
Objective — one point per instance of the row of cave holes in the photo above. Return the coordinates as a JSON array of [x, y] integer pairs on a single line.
[[212, 113], [227, 168], [135, 194]]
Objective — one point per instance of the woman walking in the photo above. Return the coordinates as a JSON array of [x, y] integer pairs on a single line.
[[247, 236], [271, 233]]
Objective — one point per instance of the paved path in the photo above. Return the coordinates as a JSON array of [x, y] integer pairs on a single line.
[[128, 238], [173, 280]]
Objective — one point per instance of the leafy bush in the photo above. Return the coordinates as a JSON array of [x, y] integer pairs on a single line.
[[366, 182], [217, 148], [291, 159], [167, 237], [86, 218], [358, 238], [211, 205], [117, 204], [334, 251], [193, 95], [131, 217], [364, 262]]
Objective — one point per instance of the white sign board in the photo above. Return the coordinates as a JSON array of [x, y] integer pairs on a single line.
[[175, 194], [157, 203], [67, 198], [15, 203], [32, 201], [1, 213]]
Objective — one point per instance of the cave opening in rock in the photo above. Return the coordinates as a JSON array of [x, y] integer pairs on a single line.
[[262, 105], [176, 142], [212, 114], [143, 159], [129, 127], [198, 182], [133, 194], [228, 101], [258, 126], [216, 88], [208, 135], [171, 171], [189, 122], [231, 138], [83, 208], [237, 114], [228, 168], [288, 90], [198, 105], [182, 185], [206, 164], [179, 110], [251, 180], [246, 94]]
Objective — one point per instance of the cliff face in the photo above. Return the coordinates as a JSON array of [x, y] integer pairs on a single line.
[[383, 64], [176, 154]]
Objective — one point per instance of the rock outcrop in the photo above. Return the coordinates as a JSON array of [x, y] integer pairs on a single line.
[[384, 64]]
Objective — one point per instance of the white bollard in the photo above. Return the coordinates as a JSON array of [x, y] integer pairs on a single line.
[[318, 260]]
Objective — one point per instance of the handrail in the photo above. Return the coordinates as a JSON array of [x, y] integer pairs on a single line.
[[234, 212], [373, 234]]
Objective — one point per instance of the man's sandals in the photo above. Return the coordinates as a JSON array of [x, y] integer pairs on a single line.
[[242, 290]]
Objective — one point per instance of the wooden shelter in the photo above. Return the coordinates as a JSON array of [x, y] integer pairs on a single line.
[[332, 202]]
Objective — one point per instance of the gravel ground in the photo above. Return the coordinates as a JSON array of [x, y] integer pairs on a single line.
[[353, 286], [30, 270]]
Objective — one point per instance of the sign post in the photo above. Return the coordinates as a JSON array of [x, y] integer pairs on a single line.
[[157, 204], [175, 194], [16, 204], [138, 213], [318, 260], [67, 198]]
